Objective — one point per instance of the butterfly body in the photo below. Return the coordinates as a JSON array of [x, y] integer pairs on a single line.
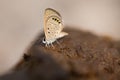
[[53, 26]]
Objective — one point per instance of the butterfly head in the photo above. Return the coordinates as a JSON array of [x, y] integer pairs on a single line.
[[44, 41]]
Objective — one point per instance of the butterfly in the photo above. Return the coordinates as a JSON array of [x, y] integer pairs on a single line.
[[53, 26]]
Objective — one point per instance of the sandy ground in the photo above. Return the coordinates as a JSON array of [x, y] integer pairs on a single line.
[[80, 56]]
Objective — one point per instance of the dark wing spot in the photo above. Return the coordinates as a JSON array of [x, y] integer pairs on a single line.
[[48, 28], [53, 18], [48, 32]]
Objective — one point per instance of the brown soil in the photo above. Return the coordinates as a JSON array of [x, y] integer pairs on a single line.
[[79, 56]]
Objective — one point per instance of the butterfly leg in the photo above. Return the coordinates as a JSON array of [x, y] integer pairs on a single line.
[[58, 43], [46, 45], [52, 46]]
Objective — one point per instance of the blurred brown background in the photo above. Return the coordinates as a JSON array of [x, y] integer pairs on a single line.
[[22, 20]]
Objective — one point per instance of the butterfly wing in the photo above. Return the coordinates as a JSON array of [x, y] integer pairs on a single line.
[[52, 24]]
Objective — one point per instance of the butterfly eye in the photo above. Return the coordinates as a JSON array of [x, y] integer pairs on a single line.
[[44, 39]]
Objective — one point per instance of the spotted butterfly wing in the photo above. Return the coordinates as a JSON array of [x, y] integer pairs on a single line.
[[53, 26]]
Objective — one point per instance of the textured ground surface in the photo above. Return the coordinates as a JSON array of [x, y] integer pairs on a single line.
[[79, 56]]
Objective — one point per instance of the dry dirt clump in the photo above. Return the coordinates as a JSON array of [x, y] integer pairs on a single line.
[[79, 56]]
